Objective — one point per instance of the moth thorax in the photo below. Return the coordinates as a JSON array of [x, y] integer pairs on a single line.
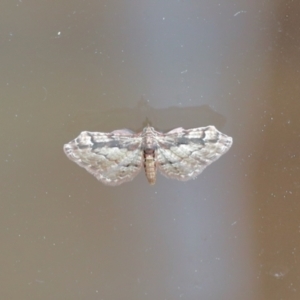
[[149, 165]]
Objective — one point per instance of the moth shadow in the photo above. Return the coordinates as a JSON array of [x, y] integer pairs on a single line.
[[138, 117]]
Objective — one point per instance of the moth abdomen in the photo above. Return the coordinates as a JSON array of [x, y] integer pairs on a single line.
[[150, 165]]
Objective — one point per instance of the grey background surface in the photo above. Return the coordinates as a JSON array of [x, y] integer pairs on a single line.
[[69, 66]]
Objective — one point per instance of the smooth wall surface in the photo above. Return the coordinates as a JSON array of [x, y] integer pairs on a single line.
[[69, 66]]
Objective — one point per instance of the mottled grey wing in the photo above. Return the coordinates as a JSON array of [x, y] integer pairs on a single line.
[[184, 154], [113, 158]]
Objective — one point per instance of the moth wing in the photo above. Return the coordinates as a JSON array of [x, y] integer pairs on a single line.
[[113, 158], [183, 154]]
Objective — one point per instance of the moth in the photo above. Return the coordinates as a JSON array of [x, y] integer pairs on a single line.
[[117, 157]]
